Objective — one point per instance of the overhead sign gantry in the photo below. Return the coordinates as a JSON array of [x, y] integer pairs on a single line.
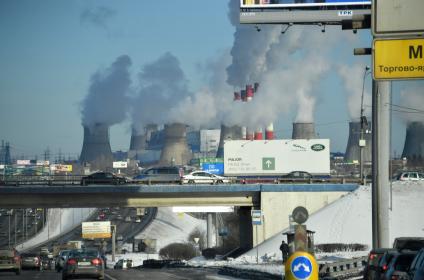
[[302, 11]]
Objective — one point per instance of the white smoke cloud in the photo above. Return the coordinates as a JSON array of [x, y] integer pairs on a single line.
[[162, 86], [353, 79], [249, 49], [107, 98]]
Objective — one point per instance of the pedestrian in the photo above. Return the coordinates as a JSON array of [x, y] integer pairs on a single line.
[[284, 248]]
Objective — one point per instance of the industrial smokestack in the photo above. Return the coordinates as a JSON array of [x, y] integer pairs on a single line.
[[258, 134], [243, 95], [249, 93], [414, 141], [96, 147], [175, 150], [303, 131], [228, 133], [237, 96], [269, 132], [352, 149]]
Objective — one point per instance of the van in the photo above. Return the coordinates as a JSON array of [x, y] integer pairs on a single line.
[[163, 174]]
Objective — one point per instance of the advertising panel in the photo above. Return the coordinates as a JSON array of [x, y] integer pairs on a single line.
[[276, 157], [203, 209], [119, 164], [23, 162], [299, 3], [61, 167], [92, 230], [214, 168], [398, 18]]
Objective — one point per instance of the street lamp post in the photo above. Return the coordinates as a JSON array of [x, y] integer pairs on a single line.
[[363, 120]]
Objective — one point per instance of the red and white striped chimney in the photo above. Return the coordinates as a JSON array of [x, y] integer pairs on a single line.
[[269, 132], [259, 134], [237, 96], [249, 92]]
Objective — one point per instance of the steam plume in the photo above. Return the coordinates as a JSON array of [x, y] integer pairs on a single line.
[[106, 101]]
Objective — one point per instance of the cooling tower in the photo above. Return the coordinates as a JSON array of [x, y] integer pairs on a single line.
[[96, 147], [352, 149], [175, 150], [414, 141], [228, 133], [138, 141], [303, 131]]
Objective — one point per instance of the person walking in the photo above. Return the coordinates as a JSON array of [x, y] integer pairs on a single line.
[[284, 248]]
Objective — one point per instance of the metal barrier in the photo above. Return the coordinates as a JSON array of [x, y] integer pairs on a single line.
[[342, 269]]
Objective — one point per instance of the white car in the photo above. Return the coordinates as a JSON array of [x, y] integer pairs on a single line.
[[411, 176], [203, 177]]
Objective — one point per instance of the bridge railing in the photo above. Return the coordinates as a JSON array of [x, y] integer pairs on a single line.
[[16, 180]]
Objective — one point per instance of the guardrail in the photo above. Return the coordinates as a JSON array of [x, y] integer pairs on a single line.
[[51, 180], [342, 269]]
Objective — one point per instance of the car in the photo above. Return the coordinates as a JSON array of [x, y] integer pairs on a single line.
[[84, 263], [10, 260], [297, 176], [203, 177], [123, 264], [383, 264], [408, 243], [103, 178], [374, 256], [399, 265], [416, 269], [31, 261], [410, 176], [162, 174], [61, 260]]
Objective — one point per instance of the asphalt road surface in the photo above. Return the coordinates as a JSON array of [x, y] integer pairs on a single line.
[[132, 274]]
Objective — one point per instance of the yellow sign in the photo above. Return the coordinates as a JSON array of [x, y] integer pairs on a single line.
[[398, 59], [91, 230], [301, 266]]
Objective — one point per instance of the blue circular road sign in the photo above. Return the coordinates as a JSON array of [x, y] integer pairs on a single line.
[[301, 267]]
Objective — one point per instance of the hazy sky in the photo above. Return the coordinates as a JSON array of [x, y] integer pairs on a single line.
[[50, 50]]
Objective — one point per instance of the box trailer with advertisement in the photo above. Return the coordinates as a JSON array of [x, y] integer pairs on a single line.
[[275, 158]]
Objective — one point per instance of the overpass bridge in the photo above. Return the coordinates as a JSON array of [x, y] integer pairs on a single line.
[[276, 201]]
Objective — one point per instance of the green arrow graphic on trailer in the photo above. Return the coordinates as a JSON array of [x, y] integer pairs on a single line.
[[268, 163]]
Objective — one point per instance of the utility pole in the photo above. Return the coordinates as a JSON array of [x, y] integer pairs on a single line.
[[381, 157], [364, 124]]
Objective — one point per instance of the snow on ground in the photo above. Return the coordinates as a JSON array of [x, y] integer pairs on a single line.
[[348, 220], [59, 221], [170, 227]]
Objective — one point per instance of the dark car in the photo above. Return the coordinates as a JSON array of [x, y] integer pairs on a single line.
[[163, 174], [371, 269], [31, 261], [84, 263], [383, 264], [409, 243], [297, 176], [61, 260], [103, 178], [10, 260], [416, 270], [399, 265]]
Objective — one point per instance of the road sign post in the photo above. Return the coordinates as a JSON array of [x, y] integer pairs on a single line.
[[256, 221]]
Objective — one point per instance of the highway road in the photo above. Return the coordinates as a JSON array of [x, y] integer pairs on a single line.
[[133, 274]]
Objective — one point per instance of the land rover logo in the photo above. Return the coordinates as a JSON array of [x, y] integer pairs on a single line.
[[318, 147]]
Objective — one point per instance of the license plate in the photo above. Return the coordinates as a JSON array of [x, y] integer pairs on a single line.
[[84, 263]]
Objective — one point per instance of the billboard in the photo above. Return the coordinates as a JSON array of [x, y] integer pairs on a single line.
[[23, 162], [276, 157], [398, 18], [300, 3], [119, 164], [61, 167], [214, 168], [91, 230]]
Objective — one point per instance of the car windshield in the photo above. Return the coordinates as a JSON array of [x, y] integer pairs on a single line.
[[83, 253]]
